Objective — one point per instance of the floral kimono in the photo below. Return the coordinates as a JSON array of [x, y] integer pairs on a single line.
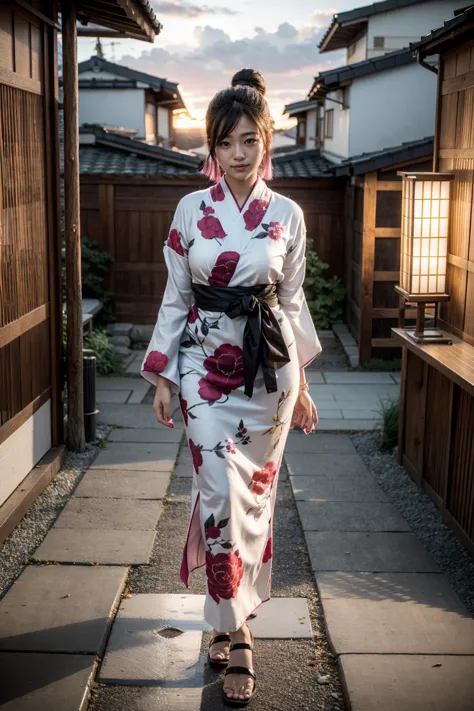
[[236, 442]]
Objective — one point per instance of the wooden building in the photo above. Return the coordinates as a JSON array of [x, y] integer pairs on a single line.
[[436, 434], [31, 404]]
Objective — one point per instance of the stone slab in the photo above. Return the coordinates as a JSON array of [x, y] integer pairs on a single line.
[[368, 552], [134, 367], [408, 682], [116, 383], [96, 546], [350, 516], [57, 608], [315, 376], [45, 682], [397, 377], [358, 378], [128, 416], [122, 484], [113, 396], [146, 434], [355, 414], [354, 392], [110, 514], [282, 618], [394, 613], [139, 393], [184, 465], [329, 413], [137, 456], [319, 443], [346, 425], [330, 464], [362, 487]]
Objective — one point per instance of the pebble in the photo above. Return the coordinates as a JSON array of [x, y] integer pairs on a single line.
[[334, 695], [323, 679], [422, 515]]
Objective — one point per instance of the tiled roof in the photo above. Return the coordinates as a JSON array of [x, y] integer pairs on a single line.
[[462, 22], [366, 162], [301, 164], [298, 107], [106, 152], [345, 26], [332, 78]]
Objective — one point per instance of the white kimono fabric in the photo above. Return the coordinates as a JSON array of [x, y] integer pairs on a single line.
[[236, 442]]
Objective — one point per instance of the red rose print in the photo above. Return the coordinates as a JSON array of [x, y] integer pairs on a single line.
[[156, 362], [184, 408], [254, 214], [210, 226], [262, 479], [267, 555], [277, 230], [196, 454], [224, 268], [174, 242], [210, 392], [226, 367], [217, 193], [230, 446], [224, 572], [213, 532], [193, 315]]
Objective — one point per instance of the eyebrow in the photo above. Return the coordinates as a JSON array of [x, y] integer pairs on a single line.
[[247, 133]]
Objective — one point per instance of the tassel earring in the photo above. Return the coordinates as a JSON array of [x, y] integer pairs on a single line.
[[212, 169], [266, 168]]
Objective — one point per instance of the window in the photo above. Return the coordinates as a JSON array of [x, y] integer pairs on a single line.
[[329, 118], [301, 131], [379, 42]]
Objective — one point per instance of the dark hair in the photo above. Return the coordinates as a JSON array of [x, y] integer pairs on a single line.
[[245, 97]]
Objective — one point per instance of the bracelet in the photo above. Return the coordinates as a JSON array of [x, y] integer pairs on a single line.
[[304, 386]]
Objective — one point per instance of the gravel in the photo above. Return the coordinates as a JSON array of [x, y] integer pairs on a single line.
[[40, 517], [422, 515]]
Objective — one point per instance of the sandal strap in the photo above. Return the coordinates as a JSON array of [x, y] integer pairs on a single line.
[[241, 670], [241, 645], [219, 638]]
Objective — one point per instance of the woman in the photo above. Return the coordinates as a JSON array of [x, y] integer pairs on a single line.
[[232, 338]]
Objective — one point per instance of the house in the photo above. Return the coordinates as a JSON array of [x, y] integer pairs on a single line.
[[31, 377], [116, 95], [380, 96], [436, 425]]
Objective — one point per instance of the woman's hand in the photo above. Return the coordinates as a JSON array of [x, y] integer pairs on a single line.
[[305, 414], [161, 403]]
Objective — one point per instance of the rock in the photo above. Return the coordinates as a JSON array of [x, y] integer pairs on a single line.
[[123, 351], [120, 329], [123, 341], [142, 333], [334, 695], [323, 679]]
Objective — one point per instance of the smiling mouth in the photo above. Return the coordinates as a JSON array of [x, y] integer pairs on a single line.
[[240, 166]]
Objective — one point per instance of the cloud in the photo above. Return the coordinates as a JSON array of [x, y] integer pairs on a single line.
[[288, 59], [321, 18], [187, 9]]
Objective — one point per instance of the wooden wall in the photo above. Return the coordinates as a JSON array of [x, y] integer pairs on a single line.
[[456, 154], [130, 218], [30, 308], [372, 259]]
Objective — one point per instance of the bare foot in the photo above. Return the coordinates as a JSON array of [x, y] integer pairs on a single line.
[[220, 650], [240, 686]]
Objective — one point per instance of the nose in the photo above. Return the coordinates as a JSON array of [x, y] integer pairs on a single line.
[[239, 153]]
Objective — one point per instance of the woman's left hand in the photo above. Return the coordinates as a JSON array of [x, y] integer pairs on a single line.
[[305, 414]]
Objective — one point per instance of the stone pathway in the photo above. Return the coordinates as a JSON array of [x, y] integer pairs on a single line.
[[403, 639]]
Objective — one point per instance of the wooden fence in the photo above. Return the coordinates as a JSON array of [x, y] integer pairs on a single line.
[[130, 218]]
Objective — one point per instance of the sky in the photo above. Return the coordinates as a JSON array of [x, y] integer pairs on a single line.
[[201, 46]]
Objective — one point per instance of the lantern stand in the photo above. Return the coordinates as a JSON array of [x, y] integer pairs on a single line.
[[424, 239]]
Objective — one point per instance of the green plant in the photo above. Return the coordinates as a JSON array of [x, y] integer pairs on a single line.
[[388, 434], [107, 359], [94, 267], [378, 364], [324, 294]]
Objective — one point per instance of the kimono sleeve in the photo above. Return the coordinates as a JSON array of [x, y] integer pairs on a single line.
[[161, 357], [293, 300]]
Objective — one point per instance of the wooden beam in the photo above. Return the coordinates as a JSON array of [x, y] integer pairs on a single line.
[[19, 82], [384, 343], [455, 84], [381, 232], [15, 422], [367, 267], [392, 185], [460, 262], [75, 385], [448, 153], [21, 325], [386, 276]]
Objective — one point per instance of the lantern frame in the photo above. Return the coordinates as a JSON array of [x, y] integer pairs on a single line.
[[424, 246]]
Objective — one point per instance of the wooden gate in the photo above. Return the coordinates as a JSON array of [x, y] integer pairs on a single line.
[[30, 312]]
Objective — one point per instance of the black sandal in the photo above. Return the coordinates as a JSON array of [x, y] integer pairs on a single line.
[[214, 640], [240, 703]]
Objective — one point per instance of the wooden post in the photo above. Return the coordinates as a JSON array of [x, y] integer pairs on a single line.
[[368, 265], [75, 404]]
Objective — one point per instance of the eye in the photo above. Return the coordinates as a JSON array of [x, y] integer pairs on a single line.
[[223, 144], [251, 141]]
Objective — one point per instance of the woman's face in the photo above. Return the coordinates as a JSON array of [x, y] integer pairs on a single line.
[[241, 152]]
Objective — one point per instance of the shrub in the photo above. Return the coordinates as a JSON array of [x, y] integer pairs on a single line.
[[108, 360], [324, 294], [388, 436], [94, 267]]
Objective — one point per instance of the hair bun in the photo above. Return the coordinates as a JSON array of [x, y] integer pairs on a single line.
[[249, 77]]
